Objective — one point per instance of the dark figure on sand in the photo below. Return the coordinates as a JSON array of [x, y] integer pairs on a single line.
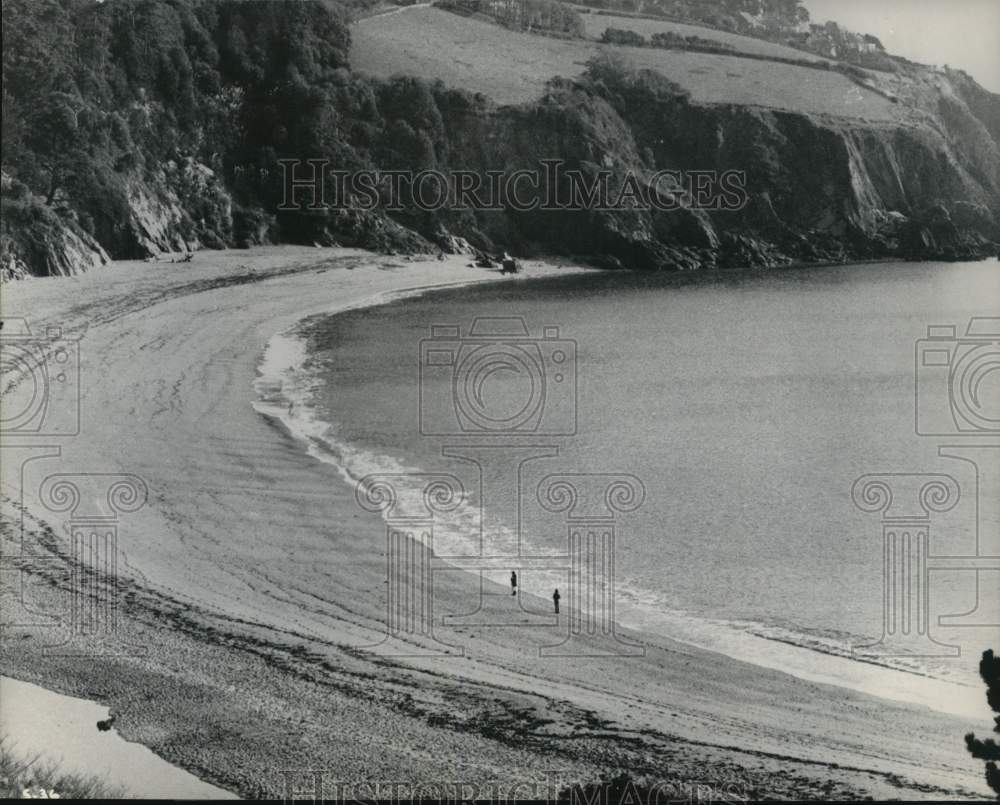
[[555, 600], [513, 582], [508, 265]]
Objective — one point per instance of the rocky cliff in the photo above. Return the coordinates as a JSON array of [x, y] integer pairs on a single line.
[[816, 188], [181, 152], [37, 240]]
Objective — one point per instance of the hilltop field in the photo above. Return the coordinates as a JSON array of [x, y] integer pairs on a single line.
[[512, 67], [845, 161], [595, 23]]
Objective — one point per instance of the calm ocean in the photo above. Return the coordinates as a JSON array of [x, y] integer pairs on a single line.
[[746, 403]]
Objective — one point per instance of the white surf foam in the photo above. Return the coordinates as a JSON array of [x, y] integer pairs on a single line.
[[287, 388], [816, 658]]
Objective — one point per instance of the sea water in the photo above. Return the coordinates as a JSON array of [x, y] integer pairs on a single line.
[[747, 404]]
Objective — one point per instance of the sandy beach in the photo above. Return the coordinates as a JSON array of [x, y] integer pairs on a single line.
[[251, 577]]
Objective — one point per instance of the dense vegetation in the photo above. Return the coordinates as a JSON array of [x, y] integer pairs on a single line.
[[987, 749], [784, 22], [182, 108], [148, 125], [536, 16], [663, 39], [37, 777], [740, 16]]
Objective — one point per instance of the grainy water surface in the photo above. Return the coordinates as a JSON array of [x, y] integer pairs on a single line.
[[747, 403]]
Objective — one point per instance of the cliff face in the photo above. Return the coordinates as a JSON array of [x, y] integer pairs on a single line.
[[48, 247], [36, 240], [177, 208], [816, 189], [173, 209], [181, 151]]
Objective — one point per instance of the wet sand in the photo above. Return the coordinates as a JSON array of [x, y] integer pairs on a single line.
[[250, 578]]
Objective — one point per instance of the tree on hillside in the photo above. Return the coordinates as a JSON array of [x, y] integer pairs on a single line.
[[58, 135], [989, 750]]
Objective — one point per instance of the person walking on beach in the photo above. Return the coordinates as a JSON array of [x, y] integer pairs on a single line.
[[555, 599], [513, 582]]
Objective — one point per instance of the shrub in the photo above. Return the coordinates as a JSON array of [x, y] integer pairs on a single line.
[[989, 750], [620, 36], [42, 777], [543, 16]]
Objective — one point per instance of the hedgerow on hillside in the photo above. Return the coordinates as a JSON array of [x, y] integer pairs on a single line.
[[141, 126]]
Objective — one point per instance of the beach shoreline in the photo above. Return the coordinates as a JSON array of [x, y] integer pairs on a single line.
[[283, 373], [241, 618]]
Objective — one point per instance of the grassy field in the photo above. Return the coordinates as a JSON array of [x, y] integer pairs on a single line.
[[595, 24], [513, 67]]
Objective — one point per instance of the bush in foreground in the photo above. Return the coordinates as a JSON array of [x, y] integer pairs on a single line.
[[989, 750], [35, 778]]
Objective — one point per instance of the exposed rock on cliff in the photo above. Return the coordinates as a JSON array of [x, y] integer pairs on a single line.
[[816, 188], [164, 128], [178, 208], [37, 240]]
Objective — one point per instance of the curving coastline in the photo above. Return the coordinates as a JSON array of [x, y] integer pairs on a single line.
[[286, 392], [253, 576]]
